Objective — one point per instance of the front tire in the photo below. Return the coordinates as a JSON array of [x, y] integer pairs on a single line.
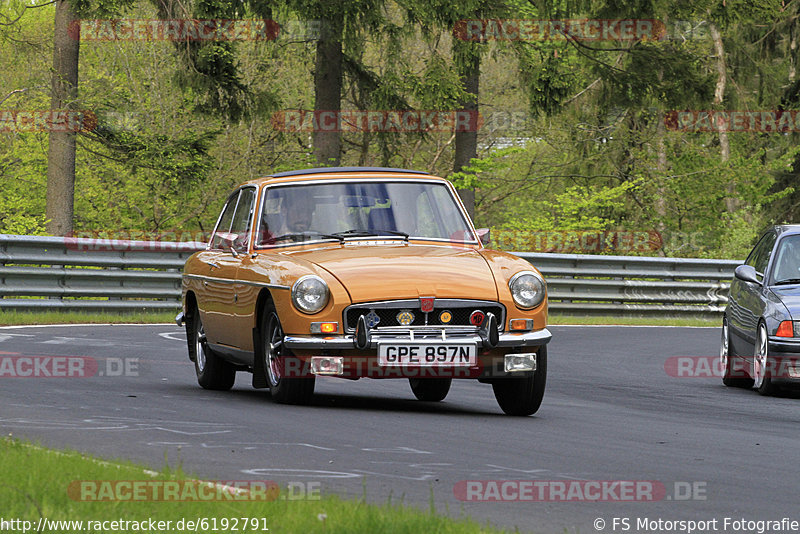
[[284, 389], [213, 372], [430, 389], [523, 395], [726, 362], [762, 376]]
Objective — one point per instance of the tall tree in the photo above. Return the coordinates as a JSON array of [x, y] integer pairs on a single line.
[[61, 152], [64, 95], [328, 88], [450, 15], [468, 63]]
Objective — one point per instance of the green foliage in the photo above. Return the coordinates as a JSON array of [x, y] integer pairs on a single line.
[[549, 75], [496, 161], [183, 123], [100, 8], [577, 208]]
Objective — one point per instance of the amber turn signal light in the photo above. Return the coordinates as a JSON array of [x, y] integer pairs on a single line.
[[324, 328], [785, 329], [521, 324]]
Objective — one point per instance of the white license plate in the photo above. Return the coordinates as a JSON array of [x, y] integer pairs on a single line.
[[430, 354]]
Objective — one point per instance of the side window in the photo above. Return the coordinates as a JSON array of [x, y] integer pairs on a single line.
[[224, 226], [759, 257], [241, 219], [763, 259]]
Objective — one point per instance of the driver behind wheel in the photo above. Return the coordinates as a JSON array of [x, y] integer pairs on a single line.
[[285, 215], [296, 214]]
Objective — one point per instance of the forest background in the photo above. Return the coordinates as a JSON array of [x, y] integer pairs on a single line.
[[578, 137]]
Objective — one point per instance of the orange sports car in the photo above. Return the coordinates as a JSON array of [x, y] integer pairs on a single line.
[[362, 272]]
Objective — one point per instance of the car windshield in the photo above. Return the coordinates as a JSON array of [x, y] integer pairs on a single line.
[[787, 261], [344, 210]]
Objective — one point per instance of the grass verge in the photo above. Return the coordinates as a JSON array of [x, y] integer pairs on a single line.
[[12, 317], [42, 483], [632, 321]]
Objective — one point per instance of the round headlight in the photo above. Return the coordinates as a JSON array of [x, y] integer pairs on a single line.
[[527, 289], [310, 293]]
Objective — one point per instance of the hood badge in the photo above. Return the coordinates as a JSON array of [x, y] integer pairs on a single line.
[[405, 317], [426, 304], [372, 319]]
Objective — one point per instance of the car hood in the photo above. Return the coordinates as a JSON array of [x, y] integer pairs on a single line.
[[790, 297], [406, 271]]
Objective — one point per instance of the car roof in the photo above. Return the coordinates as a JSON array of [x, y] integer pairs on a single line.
[[323, 173], [788, 229], [320, 170]]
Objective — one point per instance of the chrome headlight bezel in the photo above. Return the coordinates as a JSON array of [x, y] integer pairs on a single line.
[[517, 292], [305, 284]]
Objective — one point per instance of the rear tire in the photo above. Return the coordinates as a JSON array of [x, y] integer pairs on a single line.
[[731, 377], [213, 372], [523, 395], [284, 389], [430, 389]]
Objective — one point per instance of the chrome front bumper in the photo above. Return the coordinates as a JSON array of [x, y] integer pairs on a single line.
[[347, 342]]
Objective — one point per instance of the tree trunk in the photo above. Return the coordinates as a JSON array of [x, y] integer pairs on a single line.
[[328, 94], [719, 96], [61, 149], [661, 167], [469, 65], [793, 50]]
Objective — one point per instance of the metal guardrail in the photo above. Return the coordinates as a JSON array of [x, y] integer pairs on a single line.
[[584, 284], [102, 275], [38, 273]]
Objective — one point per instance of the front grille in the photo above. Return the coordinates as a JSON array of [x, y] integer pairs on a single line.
[[387, 311]]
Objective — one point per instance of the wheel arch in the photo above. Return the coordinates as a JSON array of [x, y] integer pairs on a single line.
[[191, 308], [264, 296], [190, 304]]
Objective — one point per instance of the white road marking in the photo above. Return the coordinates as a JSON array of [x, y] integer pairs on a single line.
[[301, 473], [398, 449], [82, 341], [169, 335], [6, 337]]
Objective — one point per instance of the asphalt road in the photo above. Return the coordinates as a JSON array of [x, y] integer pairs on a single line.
[[613, 411]]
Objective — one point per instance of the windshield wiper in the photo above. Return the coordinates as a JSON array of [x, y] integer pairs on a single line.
[[396, 232], [301, 235], [353, 233], [366, 233], [787, 281]]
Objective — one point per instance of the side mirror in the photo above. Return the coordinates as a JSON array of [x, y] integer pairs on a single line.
[[228, 243], [746, 273], [485, 236]]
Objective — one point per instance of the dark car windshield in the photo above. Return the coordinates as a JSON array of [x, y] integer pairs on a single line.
[[787, 261], [343, 210]]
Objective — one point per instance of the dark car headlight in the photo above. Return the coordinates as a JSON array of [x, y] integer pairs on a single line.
[[310, 294], [527, 289]]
